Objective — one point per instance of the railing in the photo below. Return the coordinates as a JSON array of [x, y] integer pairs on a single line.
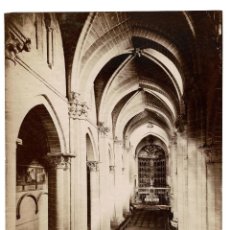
[[153, 195]]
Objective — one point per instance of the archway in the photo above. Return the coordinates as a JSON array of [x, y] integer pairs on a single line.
[[36, 138]]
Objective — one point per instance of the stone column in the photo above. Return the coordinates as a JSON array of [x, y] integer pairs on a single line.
[[182, 182], [214, 193], [126, 183], [94, 193], [174, 190], [57, 191], [133, 175], [105, 206], [78, 112], [118, 214], [192, 184], [202, 190], [80, 177], [182, 172], [112, 192]]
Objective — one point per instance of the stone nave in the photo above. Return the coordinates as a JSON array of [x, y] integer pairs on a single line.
[[113, 120]]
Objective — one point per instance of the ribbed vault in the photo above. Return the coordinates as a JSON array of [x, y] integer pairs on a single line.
[[144, 69], [138, 71]]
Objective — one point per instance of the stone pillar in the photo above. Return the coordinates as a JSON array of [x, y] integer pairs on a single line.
[[105, 185], [214, 192], [67, 195], [94, 193], [126, 183], [182, 172], [174, 190], [112, 192], [201, 190], [80, 177], [182, 182], [192, 184], [78, 112], [133, 175], [72, 173], [118, 215], [58, 191]]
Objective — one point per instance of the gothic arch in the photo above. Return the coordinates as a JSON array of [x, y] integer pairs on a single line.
[[141, 132], [51, 115]]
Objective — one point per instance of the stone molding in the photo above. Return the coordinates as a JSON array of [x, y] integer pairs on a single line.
[[92, 165], [77, 109], [59, 161], [16, 42]]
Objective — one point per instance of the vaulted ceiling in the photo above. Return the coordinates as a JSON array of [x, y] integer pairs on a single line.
[[145, 68]]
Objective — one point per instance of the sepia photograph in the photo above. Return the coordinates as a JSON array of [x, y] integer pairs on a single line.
[[113, 120]]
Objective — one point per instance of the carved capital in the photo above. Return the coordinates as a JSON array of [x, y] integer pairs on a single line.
[[77, 109], [16, 42], [111, 168], [92, 165], [58, 161]]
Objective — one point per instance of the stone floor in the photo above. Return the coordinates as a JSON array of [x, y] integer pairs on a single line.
[[149, 220]]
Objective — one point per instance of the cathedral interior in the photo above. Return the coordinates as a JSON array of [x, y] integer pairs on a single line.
[[114, 120]]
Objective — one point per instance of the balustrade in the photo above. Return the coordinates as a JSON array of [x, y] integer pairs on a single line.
[[152, 195]]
